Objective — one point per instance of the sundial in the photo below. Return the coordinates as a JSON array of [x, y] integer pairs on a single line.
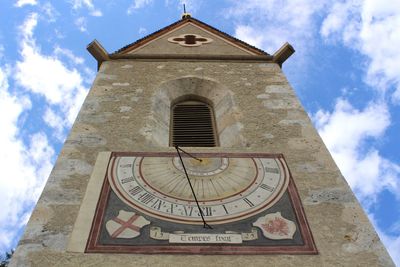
[[145, 203]]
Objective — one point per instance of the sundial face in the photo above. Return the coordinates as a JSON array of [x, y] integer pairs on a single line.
[[145, 205], [228, 189]]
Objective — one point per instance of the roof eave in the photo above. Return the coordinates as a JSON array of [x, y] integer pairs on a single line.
[[98, 52], [283, 53]]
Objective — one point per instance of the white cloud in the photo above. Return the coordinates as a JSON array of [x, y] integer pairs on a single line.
[[21, 3], [275, 22], [96, 13], [48, 76], [25, 168], [58, 51], [338, 17], [250, 35], [138, 4], [372, 28], [4, 72], [55, 121], [50, 12], [81, 23], [345, 132], [268, 24], [28, 26], [26, 164], [41, 74], [93, 11]]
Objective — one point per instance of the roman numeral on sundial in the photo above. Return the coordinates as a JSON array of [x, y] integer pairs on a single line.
[[126, 165], [272, 170], [248, 202], [267, 187], [157, 205], [188, 211], [127, 180], [226, 211], [146, 198], [207, 211], [136, 190]]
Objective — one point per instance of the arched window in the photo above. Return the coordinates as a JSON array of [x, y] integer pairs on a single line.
[[193, 124]]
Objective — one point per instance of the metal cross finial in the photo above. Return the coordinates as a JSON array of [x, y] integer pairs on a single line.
[[185, 15]]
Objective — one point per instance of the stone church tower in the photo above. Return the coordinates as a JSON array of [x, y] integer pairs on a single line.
[[192, 149]]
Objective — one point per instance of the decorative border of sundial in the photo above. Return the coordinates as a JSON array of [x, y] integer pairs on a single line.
[[96, 232]]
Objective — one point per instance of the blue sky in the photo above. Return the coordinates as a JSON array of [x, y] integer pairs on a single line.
[[346, 72]]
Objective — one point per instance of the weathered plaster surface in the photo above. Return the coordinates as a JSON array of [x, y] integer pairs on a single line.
[[127, 109]]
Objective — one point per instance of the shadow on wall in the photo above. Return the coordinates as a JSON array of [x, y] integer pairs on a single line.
[[227, 114]]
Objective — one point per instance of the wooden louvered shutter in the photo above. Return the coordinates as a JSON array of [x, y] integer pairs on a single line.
[[193, 124]]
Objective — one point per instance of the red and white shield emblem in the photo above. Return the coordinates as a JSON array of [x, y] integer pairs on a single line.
[[126, 225], [274, 226]]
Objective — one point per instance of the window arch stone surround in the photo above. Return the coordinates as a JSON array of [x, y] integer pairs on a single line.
[[227, 114]]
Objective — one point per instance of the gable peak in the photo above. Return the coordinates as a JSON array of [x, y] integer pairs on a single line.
[[188, 19]]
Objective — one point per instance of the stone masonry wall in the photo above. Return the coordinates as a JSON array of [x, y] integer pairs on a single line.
[[127, 110]]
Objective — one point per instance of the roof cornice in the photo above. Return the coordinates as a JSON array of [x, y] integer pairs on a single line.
[[192, 57]]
